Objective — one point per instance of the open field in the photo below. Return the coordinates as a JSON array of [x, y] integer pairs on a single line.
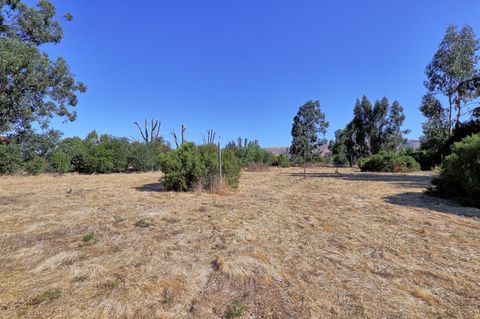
[[352, 245]]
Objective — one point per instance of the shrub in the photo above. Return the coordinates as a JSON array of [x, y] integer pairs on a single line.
[[10, 159], [36, 166], [282, 161], [460, 173], [182, 168], [76, 151], [142, 157], [249, 152], [231, 168], [60, 162], [191, 166], [98, 160], [389, 162]]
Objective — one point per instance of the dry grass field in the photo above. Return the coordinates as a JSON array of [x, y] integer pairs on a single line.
[[352, 245]]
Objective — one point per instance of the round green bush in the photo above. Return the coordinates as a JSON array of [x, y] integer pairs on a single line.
[[460, 173], [60, 162], [10, 159], [36, 166], [389, 162], [182, 168]]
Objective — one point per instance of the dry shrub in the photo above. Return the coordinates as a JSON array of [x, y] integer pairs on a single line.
[[220, 187], [257, 167]]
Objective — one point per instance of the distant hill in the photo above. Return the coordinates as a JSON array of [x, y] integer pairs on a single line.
[[415, 144], [277, 150]]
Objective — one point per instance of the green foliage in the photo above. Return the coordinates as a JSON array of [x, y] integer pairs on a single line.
[[452, 72], [36, 87], [142, 157], [47, 296], [10, 159], [460, 173], [282, 160], [36, 165], [307, 125], [339, 148], [118, 219], [182, 168], [235, 310], [249, 152], [60, 162], [372, 129], [35, 144], [389, 162], [191, 166], [231, 168], [76, 151], [89, 237]]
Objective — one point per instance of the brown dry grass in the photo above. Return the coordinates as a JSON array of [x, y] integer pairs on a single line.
[[347, 245]]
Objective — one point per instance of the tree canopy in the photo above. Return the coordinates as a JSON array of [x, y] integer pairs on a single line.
[[372, 129], [307, 125], [453, 71], [33, 87]]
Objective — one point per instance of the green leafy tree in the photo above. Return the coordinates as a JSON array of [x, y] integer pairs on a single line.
[[308, 124], [372, 130], [339, 148], [435, 131], [453, 66], [33, 87]]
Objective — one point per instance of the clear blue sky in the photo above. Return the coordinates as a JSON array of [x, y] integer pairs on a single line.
[[244, 67]]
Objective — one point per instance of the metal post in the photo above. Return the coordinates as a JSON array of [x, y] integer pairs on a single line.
[[219, 159]]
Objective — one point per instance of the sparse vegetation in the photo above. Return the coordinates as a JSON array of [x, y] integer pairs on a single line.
[[177, 253], [89, 237], [235, 310], [46, 296], [118, 219], [142, 223]]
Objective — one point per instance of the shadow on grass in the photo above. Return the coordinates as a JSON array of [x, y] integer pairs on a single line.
[[152, 187], [406, 180], [421, 200]]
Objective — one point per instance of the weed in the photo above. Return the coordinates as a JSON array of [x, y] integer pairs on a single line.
[[118, 219], [142, 223], [89, 237], [234, 310], [47, 296], [167, 296]]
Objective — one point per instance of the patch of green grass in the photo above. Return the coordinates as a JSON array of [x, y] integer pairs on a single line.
[[118, 219], [235, 310], [142, 223], [47, 296], [89, 237]]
